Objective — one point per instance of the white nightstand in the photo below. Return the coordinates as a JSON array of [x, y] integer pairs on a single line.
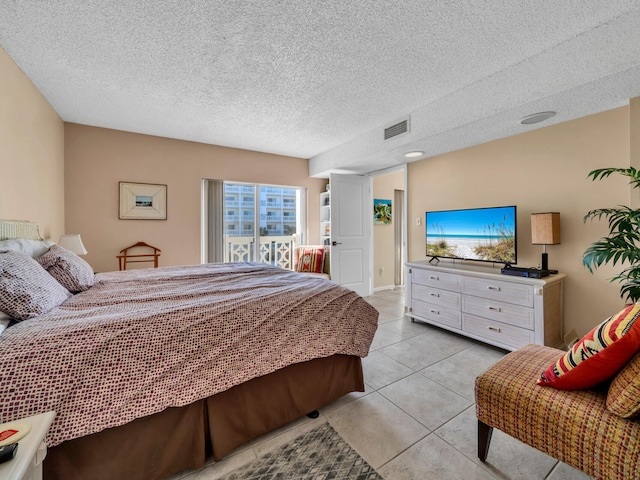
[[27, 463]]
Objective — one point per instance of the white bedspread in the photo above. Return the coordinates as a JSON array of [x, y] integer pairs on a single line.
[[141, 341]]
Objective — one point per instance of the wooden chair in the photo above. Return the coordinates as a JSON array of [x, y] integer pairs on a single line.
[[125, 258]]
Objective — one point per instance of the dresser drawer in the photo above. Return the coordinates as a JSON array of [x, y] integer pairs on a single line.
[[498, 332], [435, 295], [516, 315], [437, 313], [508, 292], [446, 281]]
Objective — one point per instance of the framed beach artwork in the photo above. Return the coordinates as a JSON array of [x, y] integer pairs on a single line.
[[143, 201], [381, 211]]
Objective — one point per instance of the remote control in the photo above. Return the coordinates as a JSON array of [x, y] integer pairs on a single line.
[[8, 452]]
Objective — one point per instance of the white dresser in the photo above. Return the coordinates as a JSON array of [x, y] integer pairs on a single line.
[[479, 302]]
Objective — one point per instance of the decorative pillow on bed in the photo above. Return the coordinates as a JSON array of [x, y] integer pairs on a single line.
[[599, 355], [26, 289], [72, 272], [310, 259], [623, 397]]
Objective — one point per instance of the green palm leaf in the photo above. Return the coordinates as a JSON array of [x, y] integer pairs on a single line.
[[622, 244]]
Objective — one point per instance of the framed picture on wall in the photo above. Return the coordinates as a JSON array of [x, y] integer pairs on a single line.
[[381, 211], [143, 201]]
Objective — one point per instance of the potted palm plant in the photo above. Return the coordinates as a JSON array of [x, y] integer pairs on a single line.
[[622, 244]]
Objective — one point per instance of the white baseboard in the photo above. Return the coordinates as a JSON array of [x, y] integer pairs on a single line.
[[386, 287]]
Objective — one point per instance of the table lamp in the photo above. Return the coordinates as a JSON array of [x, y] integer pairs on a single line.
[[545, 230], [73, 243]]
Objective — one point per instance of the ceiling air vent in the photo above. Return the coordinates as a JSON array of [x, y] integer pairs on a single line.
[[397, 129]]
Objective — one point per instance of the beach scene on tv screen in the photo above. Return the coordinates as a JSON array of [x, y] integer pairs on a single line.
[[487, 234]]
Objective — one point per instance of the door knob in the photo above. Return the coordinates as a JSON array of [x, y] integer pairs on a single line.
[[334, 243]]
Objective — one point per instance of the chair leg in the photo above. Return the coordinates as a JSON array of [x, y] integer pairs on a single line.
[[484, 440]]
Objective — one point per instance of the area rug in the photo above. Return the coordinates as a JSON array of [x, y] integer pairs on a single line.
[[320, 454]]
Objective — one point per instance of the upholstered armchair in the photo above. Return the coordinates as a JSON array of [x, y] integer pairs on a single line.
[[595, 430]]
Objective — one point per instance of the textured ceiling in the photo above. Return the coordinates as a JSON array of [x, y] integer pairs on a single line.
[[321, 79]]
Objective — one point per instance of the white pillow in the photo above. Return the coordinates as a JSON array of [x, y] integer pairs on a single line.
[[33, 248], [5, 319]]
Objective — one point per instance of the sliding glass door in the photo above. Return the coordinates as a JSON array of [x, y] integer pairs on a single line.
[[256, 223]]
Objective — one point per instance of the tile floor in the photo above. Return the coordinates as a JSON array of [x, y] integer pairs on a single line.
[[416, 419]]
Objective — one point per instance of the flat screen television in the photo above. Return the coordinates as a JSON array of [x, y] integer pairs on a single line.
[[481, 234]]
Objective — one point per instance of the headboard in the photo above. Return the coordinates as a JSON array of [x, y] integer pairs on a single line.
[[12, 229]]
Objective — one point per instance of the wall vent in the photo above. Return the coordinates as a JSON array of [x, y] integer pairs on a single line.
[[397, 129]]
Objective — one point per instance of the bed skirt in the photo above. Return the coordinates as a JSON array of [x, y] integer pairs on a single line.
[[182, 438]]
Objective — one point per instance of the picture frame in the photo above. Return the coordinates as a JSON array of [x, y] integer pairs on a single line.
[[381, 211], [143, 201]]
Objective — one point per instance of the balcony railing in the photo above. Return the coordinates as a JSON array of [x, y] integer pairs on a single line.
[[274, 250]]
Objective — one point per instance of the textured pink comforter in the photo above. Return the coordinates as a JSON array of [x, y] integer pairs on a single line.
[[140, 341]]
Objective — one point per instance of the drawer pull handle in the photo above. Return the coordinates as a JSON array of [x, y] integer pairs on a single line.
[[497, 289], [434, 278], [437, 312], [495, 329], [437, 295], [495, 309]]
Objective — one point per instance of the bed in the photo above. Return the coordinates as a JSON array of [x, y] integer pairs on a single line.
[[153, 371]]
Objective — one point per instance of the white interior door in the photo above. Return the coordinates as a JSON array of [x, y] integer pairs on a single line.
[[351, 213]]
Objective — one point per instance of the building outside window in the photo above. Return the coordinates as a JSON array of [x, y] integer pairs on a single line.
[[276, 203], [262, 222]]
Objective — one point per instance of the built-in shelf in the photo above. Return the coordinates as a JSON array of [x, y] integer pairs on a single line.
[[325, 218]]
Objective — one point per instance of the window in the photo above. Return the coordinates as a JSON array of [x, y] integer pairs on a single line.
[[260, 230]]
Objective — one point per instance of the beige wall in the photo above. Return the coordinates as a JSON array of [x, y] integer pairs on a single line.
[[634, 147], [97, 159], [31, 153], [539, 171], [383, 235]]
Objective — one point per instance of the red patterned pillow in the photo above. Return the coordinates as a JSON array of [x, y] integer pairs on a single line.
[[598, 355], [72, 272], [310, 259], [26, 289]]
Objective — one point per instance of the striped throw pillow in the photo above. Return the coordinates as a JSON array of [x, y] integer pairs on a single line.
[[310, 260], [599, 355]]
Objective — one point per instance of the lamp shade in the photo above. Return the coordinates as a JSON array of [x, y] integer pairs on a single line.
[[73, 243], [545, 228]]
